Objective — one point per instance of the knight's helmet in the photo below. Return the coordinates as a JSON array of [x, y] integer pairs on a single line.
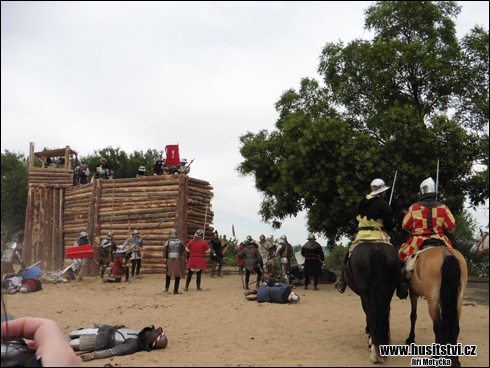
[[172, 234], [199, 234], [283, 239], [311, 237], [109, 234], [293, 297], [82, 234], [378, 186], [427, 186], [121, 249], [152, 338], [249, 239], [135, 232]]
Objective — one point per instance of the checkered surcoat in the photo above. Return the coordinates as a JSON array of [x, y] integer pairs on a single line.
[[425, 223]]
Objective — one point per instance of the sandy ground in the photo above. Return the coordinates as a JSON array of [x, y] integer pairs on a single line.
[[219, 327]]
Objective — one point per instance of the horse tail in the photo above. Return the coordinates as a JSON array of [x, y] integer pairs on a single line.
[[379, 301], [447, 321]]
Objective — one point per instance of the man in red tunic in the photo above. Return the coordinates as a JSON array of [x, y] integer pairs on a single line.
[[197, 249]]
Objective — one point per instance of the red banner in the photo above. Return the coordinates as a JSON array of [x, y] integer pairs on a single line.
[[172, 155]]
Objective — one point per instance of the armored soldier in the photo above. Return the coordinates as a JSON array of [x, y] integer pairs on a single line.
[[79, 262], [141, 172], [197, 248], [119, 265], [135, 244], [375, 220], [216, 254], [279, 293], [285, 253], [426, 220], [266, 250], [105, 341], [314, 260], [9, 256], [252, 261], [107, 249], [102, 170], [174, 252]]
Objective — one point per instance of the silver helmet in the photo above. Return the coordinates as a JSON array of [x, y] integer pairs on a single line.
[[135, 232], [172, 233], [293, 297], [109, 234], [121, 249], [199, 233], [249, 239], [428, 186], [83, 234], [378, 186]]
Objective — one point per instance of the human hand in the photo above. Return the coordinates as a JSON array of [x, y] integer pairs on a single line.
[[46, 337]]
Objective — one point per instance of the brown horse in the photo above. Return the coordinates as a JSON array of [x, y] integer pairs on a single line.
[[440, 275]]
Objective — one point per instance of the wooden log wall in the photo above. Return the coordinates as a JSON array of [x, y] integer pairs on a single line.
[[123, 205], [43, 230]]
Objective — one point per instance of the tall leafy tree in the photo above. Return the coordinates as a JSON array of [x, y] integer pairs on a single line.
[[384, 105]]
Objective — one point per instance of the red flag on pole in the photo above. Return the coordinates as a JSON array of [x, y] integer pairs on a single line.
[[172, 156]]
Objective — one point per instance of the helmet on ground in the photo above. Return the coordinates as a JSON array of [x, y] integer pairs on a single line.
[[24, 289], [135, 232], [160, 342], [141, 168], [172, 233], [378, 186], [428, 186], [152, 338], [311, 237], [293, 297], [83, 234]]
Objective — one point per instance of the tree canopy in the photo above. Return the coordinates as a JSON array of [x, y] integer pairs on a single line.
[[399, 102]]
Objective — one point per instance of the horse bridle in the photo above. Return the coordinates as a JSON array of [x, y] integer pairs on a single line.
[[481, 242]]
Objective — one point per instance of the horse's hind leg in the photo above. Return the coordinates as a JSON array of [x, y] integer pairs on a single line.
[[413, 317], [365, 308]]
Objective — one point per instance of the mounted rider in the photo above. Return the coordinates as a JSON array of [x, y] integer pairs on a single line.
[[375, 221], [426, 220], [252, 261]]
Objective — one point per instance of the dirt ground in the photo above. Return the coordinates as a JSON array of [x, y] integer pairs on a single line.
[[219, 327]]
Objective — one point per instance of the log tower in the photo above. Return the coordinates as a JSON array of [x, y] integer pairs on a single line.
[[57, 212]]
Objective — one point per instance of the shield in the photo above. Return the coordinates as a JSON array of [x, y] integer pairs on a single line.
[[83, 251], [299, 258], [31, 273]]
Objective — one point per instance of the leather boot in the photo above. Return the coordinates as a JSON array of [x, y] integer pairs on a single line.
[[186, 286], [165, 290], [212, 273], [199, 287], [102, 271], [315, 288]]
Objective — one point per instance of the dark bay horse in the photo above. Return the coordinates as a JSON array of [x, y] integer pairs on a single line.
[[373, 272], [440, 275]]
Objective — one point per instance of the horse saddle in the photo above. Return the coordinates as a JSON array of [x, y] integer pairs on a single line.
[[429, 243]]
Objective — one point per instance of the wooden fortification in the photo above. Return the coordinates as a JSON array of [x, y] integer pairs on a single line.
[[57, 212]]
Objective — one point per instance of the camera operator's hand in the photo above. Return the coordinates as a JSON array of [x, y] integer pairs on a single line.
[[46, 337]]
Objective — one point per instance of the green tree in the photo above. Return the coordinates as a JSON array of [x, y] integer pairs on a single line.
[[384, 105], [14, 192], [122, 164]]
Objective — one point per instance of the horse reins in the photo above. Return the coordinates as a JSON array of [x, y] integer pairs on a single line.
[[481, 242]]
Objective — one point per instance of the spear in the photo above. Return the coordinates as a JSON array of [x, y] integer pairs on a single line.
[[437, 179], [393, 187]]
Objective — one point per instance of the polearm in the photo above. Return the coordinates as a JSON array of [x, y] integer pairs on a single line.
[[437, 179], [239, 267], [393, 188], [161, 222], [205, 218]]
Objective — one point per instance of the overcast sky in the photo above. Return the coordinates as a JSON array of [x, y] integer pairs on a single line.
[[142, 75]]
